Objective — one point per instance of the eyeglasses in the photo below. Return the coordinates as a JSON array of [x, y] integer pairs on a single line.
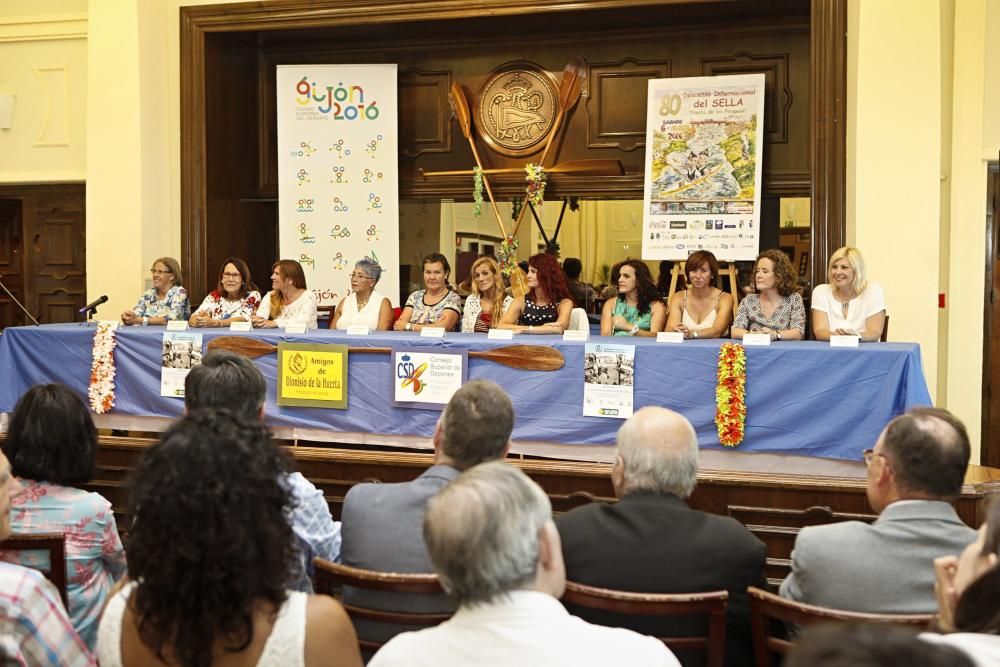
[[360, 276], [231, 275], [159, 272], [870, 454]]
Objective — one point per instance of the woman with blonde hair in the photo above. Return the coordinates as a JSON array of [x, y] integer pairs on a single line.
[[849, 305], [486, 305], [288, 303]]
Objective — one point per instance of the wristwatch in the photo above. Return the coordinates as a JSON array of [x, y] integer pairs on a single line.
[[694, 334], [634, 330], [778, 334], [409, 326], [145, 321]]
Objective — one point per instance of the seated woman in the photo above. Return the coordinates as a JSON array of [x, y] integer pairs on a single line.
[[547, 306], [849, 305], [968, 593], [211, 557], [775, 306], [51, 444], [288, 303], [437, 305], [235, 299], [638, 310], [364, 305], [702, 310], [486, 305], [166, 300]]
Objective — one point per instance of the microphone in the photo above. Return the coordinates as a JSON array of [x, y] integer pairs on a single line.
[[92, 306]]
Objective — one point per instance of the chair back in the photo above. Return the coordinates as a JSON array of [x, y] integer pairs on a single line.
[[711, 605], [331, 577], [52, 543], [578, 320], [885, 330], [766, 607]]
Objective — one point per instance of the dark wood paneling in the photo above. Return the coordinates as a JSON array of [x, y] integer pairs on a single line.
[[424, 112], [777, 87], [616, 102]]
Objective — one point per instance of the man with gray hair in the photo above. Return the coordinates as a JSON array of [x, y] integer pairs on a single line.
[[382, 522], [493, 544], [651, 541]]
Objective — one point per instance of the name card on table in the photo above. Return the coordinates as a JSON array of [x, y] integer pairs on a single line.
[[844, 341], [295, 329], [177, 325], [573, 334], [500, 334], [432, 332], [669, 337], [358, 330], [756, 339], [241, 326]]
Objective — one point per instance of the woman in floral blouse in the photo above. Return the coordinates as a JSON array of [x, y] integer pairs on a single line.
[[234, 300], [165, 301], [775, 306], [51, 443]]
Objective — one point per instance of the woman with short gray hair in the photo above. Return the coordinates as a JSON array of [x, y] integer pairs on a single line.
[[364, 306]]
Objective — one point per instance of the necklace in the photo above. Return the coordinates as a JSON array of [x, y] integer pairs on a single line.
[[362, 304]]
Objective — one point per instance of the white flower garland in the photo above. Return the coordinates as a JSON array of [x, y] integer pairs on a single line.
[[102, 369]]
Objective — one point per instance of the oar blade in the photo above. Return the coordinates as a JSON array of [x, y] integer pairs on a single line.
[[524, 357], [461, 106], [248, 347]]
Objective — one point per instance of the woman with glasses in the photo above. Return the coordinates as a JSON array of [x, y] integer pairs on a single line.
[[234, 300], [364, 306], [166, 300], [849, 305]]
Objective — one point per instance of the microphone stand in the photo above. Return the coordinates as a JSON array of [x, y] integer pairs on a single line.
[[19, 305]]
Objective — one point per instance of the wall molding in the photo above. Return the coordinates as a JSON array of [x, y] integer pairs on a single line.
[[43, 28]]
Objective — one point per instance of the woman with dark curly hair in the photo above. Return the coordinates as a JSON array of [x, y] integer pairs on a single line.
[[638, 310], [546, 308], [211, 555], [775, 305]]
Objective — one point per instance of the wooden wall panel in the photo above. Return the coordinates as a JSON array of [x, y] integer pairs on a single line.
[[424, 112], [615, 118]]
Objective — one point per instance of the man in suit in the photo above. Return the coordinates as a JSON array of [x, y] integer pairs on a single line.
[[915, 473], [651, 541], [383, 523]]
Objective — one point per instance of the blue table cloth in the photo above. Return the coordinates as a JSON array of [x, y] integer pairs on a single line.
[[803, 398]]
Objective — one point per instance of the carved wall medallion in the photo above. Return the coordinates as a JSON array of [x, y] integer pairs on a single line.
[[516, 107]]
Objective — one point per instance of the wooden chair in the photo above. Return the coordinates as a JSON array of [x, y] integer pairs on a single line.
[[766, 606], [55, 545], [710, 604], [330, 577]]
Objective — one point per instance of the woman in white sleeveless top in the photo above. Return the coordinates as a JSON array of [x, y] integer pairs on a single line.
[[212, 552], [364, 305], [702, 310], [848, 305]]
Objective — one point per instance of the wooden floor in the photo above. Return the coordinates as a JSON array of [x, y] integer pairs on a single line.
[[773, 505]]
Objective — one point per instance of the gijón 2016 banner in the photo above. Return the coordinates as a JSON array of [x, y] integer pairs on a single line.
[[704, 141], [338, 180]]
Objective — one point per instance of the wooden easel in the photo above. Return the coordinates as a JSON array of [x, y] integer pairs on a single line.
[[727, 271]]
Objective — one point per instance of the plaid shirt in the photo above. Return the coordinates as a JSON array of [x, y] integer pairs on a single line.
[[34, 629], [317, 533]]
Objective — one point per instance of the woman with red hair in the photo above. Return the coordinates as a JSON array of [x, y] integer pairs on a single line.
[[547, 306]]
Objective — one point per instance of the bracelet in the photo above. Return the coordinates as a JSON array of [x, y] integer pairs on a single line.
[[531, 328], [634, 330], [145, 321], [409, 326], [694, 334]]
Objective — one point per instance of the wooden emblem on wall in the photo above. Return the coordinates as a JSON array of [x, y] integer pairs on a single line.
[[516, 108]]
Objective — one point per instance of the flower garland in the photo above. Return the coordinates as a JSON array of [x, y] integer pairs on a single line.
[[535, 176], [507, 256], [730, 394], [477, 191], [102, 369]]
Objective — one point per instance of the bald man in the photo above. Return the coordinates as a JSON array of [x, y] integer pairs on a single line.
[[651, 541]]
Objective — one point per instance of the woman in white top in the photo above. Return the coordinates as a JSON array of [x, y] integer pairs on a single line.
[[364, 305], [211, 554], [702, 310], [849, 305], [235, 299], [288, 303], [486, 305]]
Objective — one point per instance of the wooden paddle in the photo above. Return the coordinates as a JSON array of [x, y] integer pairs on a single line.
[[598, 167], [524, 357]]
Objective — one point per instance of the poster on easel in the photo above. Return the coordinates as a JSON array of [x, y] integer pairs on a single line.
[[703, 170], [338, 174]]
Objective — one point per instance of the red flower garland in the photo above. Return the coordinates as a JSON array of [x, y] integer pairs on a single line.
[[730, 394]]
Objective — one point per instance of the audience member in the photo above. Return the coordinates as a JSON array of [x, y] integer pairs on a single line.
[[651, 541], [437, 305], [382, 522], [166, 300], [849, 305], [638, 309], [51, 444], [775, 305], [235, 299], [486, 305], [547, 306], [289, 303], [583, 293], [364, 305], [702, 310], [492, 541], [915, 472], [34, 628], [228, 381], [869, 645], [211, 556]]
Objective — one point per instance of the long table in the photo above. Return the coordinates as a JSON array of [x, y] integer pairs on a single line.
[[803, 398]]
